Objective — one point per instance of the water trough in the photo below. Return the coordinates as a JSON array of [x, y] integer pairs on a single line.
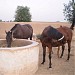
[[21, 59]]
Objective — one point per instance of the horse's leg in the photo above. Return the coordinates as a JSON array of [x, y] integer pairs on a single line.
[[62, 51], [50, 50], [69, 47], [58, 51], [44, 54], [31, 37]]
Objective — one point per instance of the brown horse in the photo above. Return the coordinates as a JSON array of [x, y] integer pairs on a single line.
[[19, 32], [52, 37]]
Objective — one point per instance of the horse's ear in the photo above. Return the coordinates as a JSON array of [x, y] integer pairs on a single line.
[[10, 32], [5, 31]]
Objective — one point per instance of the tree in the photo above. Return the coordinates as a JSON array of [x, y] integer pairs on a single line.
[[69, 12], [22, 14], [0, 20]]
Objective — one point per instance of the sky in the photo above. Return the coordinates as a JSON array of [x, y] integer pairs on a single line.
[[41, 10]]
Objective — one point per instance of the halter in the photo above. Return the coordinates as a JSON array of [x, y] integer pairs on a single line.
[[12, 35]]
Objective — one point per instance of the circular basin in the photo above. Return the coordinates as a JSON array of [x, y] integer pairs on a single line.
[[20, 59]]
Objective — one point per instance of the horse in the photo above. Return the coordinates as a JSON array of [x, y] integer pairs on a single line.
[[55, 37], [19, 32]]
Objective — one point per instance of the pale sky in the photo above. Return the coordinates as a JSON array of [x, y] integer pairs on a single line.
[[41, 10]]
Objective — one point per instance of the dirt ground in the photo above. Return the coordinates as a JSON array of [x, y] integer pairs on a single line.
[[59, 65]]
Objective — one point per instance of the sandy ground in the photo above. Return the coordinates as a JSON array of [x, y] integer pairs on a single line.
[[59, 65]]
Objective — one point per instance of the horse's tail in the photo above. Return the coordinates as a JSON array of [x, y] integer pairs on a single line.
[[72, 27], [73, 24]]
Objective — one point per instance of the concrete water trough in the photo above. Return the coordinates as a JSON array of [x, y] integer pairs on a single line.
[[21, 59]]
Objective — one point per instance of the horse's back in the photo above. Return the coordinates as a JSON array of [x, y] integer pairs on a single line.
[[23, 31], [66, 31], [52, 33], [29, 27]]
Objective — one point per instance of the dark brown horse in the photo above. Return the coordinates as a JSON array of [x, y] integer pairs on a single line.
[[52, 37], [19, 32]]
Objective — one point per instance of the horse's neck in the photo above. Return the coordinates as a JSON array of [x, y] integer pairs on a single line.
[[13, 28]]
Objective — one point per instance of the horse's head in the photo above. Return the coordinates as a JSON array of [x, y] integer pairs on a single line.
[[8, 38]]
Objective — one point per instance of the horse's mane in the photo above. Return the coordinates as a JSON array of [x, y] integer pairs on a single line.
[[14, 27], [73, 24]]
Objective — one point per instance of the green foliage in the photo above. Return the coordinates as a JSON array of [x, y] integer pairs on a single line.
[[69, 11], [0, 20], [22, 14]]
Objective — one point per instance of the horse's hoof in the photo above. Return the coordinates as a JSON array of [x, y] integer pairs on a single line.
[[67, 60], [42, 63], [60, 56], [50, 67]]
